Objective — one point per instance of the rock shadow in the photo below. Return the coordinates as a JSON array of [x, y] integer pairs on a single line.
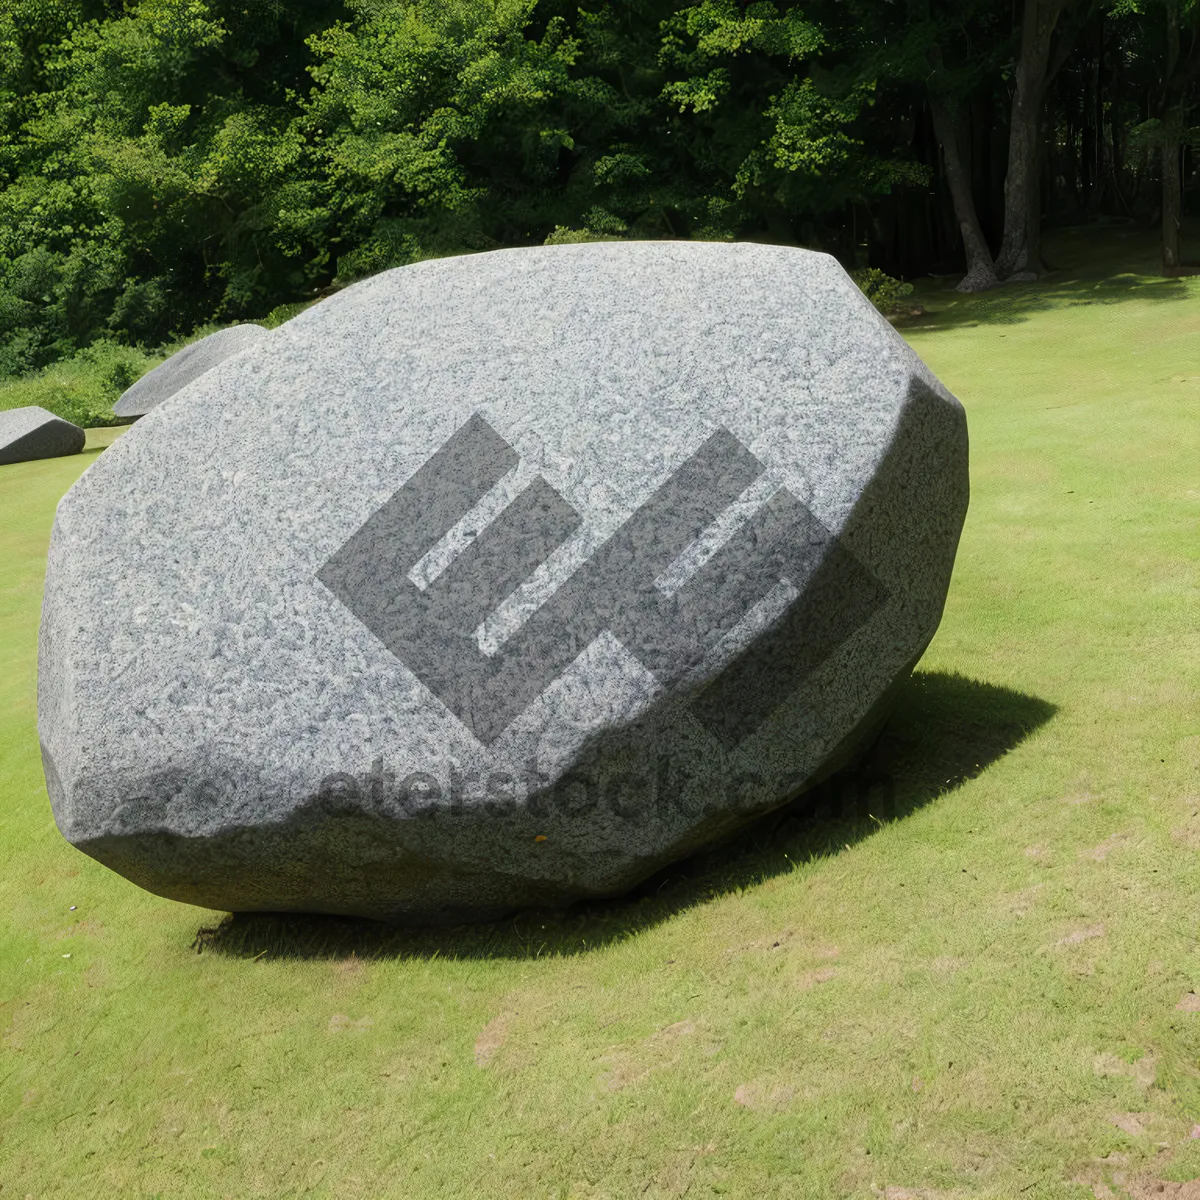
[[945, 729]]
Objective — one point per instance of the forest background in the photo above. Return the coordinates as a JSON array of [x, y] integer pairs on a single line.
[[170, 163]]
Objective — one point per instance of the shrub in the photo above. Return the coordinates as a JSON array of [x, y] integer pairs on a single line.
[[562, 235], [84, 387], [285, 312], [881, 289]]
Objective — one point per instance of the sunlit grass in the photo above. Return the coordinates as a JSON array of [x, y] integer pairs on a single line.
[[986, 996]]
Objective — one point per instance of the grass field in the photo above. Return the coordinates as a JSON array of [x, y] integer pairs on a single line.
[[994, 994]]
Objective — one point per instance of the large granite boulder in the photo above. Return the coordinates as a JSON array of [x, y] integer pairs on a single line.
[[32, 432], [498, 580], [184, 366]]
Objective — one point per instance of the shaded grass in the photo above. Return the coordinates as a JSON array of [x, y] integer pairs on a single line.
[[978, 998], [946, 730], [1084, 273]]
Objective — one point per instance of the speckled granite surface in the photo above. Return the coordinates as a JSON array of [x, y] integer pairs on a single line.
[[184, 366], [497, 580], [33, 432]]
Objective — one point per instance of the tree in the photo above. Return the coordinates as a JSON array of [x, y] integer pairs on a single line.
[[165, 163], [1038, 60], [776, 102], [141, 158], [1179, 69], [946, 50], [981, 270], [433, 127]]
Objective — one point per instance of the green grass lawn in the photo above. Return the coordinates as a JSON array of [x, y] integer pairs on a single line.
[[992, 994]]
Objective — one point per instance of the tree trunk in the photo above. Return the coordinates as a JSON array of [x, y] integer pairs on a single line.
[[1037, 29], [1172, 122], [981, 272], [1172, 203], [1097, 89], [1116, 132], [1077, 166], [997, 169], [1039, 178]]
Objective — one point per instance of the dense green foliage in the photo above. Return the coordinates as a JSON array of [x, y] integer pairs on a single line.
[[84, 387], [150, 158], [164, 163]]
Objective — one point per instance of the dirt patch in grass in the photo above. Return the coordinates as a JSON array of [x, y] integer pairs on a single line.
[[946, 964], [1078, 936], [90, 926], [764, 1097], [1188, 833], [894, 1192], [1132, 1123], [670, 1033], [493, 1035], [1080, 949], [1143, 1071], [1163, 1189], [662, 1049], [341, 1023], [349, 970], [810, 979], [1021, 903], [1115, 841], [788, 941]]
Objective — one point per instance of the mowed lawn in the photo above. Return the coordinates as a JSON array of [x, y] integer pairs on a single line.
[[994, 992]]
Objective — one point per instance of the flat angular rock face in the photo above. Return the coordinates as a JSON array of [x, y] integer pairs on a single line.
[[184, 366], [501, 580], [28, 433]]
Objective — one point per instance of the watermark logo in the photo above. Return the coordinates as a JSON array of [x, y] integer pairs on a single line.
[[658, 789], [619, 590]]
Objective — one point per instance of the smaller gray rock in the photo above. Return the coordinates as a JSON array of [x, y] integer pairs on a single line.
[[185, 365], [27, 433]]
